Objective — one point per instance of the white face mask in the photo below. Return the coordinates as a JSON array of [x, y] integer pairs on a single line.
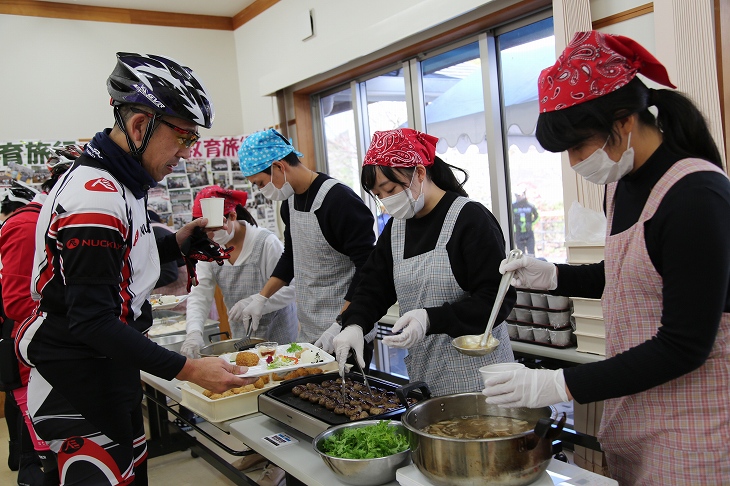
[[600, 169], [403, 205], [222, 236], [270, 191]]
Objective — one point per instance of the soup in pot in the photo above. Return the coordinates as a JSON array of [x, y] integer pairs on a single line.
[[478, 427]]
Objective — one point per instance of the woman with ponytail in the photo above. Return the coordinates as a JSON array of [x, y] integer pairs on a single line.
[[665, 280], [438, 257]]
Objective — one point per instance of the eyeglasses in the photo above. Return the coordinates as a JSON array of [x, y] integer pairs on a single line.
[[187, 142]]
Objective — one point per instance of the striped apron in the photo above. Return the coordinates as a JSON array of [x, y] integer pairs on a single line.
[[240, 281], [322, 274], [427, 280], [676, 433]]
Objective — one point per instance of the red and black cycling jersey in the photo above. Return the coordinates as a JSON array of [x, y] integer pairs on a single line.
[[96, 261]]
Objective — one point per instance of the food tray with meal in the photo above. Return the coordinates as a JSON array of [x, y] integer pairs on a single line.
[[269, 358], [164, 302], [219, 407]]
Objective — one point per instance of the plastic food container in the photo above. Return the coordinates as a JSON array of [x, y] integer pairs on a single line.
[[559, 319], [221, 409], [523, 298], [512, 331], [558, 302], [539, 300], [561, 338], [542, 334], [525, 332], [523, 315], [540, 317]]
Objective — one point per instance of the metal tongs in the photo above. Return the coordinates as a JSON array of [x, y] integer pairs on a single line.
[[244, 342], [362, 372]]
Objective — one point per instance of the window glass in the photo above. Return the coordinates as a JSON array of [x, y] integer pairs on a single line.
[[385, 97], [535, 179], [454, 108], [340, 142]]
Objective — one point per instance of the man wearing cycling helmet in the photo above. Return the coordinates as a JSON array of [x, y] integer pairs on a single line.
[[96, 261]]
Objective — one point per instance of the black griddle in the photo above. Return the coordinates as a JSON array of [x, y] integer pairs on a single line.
[[311, 418]]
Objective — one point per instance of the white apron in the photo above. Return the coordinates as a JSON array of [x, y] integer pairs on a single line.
[[427, 280], [241, 281], [322, 274], [676, 433]]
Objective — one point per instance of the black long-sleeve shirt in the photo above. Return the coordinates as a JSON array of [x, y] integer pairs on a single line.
[[346, 223], [475, 249], [688, 242]]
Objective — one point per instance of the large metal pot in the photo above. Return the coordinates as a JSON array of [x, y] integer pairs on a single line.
[[226, 346], [514, 461]]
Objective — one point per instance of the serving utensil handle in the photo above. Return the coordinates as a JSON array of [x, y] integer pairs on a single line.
[[501, 292]]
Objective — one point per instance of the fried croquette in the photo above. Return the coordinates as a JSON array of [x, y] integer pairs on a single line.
[[247, 358]]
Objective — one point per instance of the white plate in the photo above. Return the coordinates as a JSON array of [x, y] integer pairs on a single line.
[[180, 298], [262, 369]]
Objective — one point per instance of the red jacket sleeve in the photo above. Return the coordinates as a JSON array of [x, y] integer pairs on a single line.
[[17, 247]]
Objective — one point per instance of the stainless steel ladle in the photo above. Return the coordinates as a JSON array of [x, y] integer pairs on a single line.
[[481, 344]]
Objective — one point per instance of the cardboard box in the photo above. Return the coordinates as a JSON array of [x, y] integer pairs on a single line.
[[590, 325], [591, 343], [587, 307]]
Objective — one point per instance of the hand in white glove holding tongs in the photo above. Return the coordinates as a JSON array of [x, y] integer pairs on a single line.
[[526, 388], [413, 326], [351, 337], [531, 273], [252, 307], [325, 341]]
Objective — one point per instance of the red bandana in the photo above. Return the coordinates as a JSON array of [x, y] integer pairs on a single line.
[[231, 199], [595, 64], [403, 147]]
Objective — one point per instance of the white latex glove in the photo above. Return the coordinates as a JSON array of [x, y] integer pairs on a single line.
[[235, 313], [350, 338], [526, 388], [325, 340], [192, 344], [254, 309], [531, 273], [413, 325]]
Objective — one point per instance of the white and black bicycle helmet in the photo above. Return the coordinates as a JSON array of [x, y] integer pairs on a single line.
[[63, 157], [163, 85], [17, 192]]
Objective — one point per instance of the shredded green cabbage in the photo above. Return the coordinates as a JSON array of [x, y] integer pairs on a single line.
[[366, 442], [293, 348]]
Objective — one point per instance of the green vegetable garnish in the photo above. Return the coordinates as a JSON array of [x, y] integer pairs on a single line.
[[293, 348], [366, 442]]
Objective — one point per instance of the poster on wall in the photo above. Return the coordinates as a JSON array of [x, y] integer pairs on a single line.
[[212, 161]]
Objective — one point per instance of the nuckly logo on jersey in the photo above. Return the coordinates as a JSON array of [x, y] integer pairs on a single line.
[[72, 243], [102, 244], [142, 89], [100, 185]]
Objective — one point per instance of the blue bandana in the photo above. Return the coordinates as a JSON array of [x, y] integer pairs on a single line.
[[261, 149]]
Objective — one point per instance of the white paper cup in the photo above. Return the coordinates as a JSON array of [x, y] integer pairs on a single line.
[[212, 208], [491, 370]]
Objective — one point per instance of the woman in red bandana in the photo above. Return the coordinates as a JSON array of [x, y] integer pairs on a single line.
[[665, 281], [438, 257]]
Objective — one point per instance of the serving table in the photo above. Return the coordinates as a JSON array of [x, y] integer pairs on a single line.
[[221, 442]]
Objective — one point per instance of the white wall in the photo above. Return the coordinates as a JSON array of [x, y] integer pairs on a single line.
[[53, 73], [271, 55]]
